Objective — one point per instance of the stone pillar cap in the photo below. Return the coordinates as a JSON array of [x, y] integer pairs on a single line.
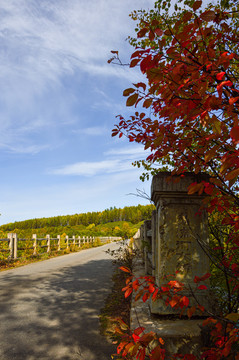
[[166, 185]]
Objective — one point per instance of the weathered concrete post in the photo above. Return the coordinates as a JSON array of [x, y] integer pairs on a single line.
[[58, 242], [10, 246], [67, 242], [48, 238], [79, 241], [181, 232], [34, 238], [74, 240], [14, 236]]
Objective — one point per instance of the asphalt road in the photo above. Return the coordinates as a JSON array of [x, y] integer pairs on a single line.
[[49, 310]]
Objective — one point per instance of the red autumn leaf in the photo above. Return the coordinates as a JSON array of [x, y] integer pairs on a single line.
[[202, 287], [233, 100], [134, 62], [142, 32], [132, 100], [220, 75], [208, 15], [201, 308], [224, 83], [234, 133], [197, 5], [158, 353], [190, 357], [128, 91], [202, 278], [151, 35], [135, 285], [125, 269], [158, 32], [139, 330], [147, 103], [145, 297], [151, 288], [232, 174], [191, 311], [136, 337], [184, 301], [173, 302], [146, 63], [142, 354], [128, 292], [154, 296]]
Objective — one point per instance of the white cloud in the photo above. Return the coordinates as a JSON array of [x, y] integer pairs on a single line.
[[41, 43], [117, 161], [44, 40], [93, 168], [23, 149], [92, 131], [127, 151]]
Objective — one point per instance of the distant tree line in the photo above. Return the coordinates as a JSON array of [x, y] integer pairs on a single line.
[[133, 214]]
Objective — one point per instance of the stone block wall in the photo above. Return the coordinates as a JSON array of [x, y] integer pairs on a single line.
[[173, 240]]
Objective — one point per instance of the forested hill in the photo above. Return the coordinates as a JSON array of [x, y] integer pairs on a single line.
[[132, 214]]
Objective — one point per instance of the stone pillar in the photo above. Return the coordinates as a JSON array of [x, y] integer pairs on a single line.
[[147, 246], [154, 238], [181, 231]]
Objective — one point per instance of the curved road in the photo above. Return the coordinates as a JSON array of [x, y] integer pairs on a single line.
[[49, 310]]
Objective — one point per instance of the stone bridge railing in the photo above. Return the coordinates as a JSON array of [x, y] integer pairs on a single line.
[[174, 239]]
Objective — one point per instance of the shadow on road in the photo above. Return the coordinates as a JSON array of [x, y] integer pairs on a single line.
[[55, 316]]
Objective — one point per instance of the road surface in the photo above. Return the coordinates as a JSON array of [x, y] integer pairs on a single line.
[[49, 310]]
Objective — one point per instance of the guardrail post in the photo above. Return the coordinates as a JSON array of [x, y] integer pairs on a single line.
[[74, 240], [58, 242], [79, 240], [10, 239], [34, 237], [48, 238], [14, 235], [83, 240]]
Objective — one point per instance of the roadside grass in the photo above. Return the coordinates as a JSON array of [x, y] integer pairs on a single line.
[[116, 305]]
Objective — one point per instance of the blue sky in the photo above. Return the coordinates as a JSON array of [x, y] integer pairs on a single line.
[[58, 102]]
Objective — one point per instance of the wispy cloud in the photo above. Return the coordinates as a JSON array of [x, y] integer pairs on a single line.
[[93, 168], [47, 39], [128, 152], [44, 42], [92, 131], [116, 161]]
